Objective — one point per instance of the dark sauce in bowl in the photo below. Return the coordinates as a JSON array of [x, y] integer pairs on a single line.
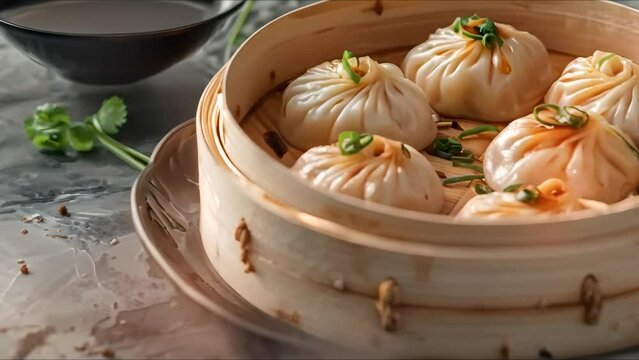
[[107, 17]]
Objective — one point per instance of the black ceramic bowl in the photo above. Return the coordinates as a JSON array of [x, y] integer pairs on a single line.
[[111, 41]]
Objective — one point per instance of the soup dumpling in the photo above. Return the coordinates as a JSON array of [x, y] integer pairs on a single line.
[[481, 70], [596, 160], [374, 168], [357, 94], [550, 197], [604, 83]]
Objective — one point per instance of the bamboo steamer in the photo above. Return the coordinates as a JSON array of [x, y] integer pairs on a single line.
[[395, 282]]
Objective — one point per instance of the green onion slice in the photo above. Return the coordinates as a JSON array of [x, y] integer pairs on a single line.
[[456, 179], [457, 163], [473, 36], [478, 130], [405, 151], [466, 156], [555, 115], [481, 189], [352, 142], [512, 188], [446, 147], [347, 66], [604, 59], [527, 195]]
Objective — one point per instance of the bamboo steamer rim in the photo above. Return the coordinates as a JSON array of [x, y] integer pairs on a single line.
[[620, 214]]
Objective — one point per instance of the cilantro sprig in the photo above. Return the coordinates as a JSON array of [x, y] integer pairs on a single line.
[[50, 129]]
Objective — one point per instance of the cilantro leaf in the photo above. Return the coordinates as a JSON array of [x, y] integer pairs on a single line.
[[46, 128], [111, 115], [81, 137], [52, 114], [53, 140]]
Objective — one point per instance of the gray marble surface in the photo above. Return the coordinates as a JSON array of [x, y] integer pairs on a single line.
[[92, 289], [91, 286]]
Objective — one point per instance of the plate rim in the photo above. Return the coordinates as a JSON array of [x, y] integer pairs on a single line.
[[177, 278]]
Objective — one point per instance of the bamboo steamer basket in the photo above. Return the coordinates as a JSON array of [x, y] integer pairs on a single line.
[[395, 282]]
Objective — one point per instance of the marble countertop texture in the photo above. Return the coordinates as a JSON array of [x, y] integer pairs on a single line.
[[92, 291]]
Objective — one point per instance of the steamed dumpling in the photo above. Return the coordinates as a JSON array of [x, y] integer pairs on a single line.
[[497, 75], [383, 171], [325, 101], [604, 83], [551, 197], [595, 159]]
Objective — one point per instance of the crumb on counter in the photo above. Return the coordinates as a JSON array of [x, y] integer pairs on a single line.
[[24, 269], [108, 353], [24, 232], [63, 211]]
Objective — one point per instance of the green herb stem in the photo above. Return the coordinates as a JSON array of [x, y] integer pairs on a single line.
[[131, 156], [456, 179], [128, 150], [478, 130], [105, 140], [240, 22]]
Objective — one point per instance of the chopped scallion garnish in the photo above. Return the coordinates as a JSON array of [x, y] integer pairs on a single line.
[[486, 31], [462, 178], [512, 188], [481, 189], [352, 142], [555, 115], [604, 59], [405, 151], [478, 130], [447, 147], [347, 66], [527, 195]]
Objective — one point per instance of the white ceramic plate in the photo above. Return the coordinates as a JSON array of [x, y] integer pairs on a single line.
[[166, 207]]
